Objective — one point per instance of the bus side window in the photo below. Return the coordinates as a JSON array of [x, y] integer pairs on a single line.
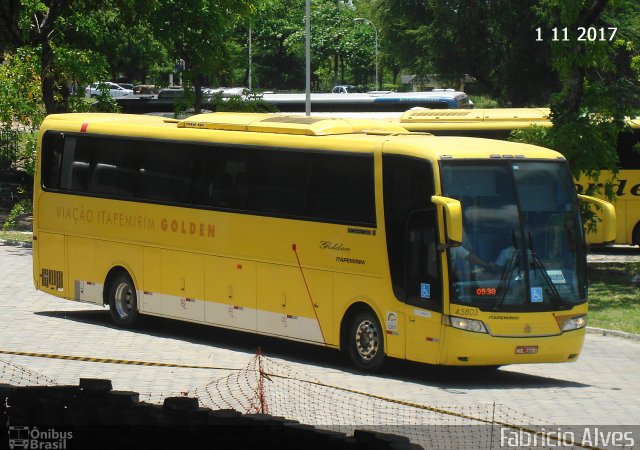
[[342, 188], [117, 168], [52, 150], [221, 177], [165, 174], [76, 162], [279, 183]]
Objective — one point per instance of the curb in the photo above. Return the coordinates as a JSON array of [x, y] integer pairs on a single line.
[[616, 333]]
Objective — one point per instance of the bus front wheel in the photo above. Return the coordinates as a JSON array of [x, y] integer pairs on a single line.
[[365, 345], [123, 301]]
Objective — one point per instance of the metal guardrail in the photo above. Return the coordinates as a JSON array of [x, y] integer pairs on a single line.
[[8, 149]]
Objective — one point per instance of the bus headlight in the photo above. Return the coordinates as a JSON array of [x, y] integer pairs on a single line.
[[477, 326], [568, 323]]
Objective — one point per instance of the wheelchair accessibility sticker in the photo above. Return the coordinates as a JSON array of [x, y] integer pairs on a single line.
[[536, 295]]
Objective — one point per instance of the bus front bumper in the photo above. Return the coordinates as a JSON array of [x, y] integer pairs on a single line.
[[465, 348]]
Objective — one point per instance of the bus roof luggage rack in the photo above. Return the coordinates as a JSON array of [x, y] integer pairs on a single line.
[[301, 125], [484, 115]]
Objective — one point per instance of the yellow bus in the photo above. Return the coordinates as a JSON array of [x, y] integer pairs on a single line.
[[341, 233], [498, 124]]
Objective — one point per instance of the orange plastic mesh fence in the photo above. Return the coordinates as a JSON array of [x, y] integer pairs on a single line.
[[267, 386]]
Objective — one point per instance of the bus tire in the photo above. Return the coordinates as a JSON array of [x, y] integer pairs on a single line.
[[365, 341], [123, 301]]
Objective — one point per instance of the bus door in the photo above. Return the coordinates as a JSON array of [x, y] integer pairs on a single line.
[[423, 288], [414, 261]]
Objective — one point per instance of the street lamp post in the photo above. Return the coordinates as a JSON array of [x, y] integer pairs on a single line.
[[307, 64], [375, 30], [249, 75]]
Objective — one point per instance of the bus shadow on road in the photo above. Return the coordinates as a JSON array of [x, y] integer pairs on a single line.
[[446, 378]]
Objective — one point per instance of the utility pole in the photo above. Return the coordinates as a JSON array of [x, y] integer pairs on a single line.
[[307, 51]]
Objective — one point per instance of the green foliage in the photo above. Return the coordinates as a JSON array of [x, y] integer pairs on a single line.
[[484, 101], [278, 62], [80, 104], [27, 151], [535, 135], [244, 103], [20, 96], [342, 51], [184, 103], [21, 105], [597, 92], [200, 32], [21, 208], [104, 101], [493, 41]]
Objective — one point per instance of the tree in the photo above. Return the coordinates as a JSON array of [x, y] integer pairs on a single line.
[[200, 33], [20, 31], [340, 48], [600, 87], [21, 104], [49, 27], [122, 32], [278, 63], [493, 41], [82, 42]]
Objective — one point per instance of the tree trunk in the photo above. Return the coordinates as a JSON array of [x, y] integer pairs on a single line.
[[48, 82], [10, 16], [45, 31], [575, 84], [395, 73], [197, 85], [279, 69]]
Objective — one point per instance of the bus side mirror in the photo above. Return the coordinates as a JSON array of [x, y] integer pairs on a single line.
[[608, 214], [453, 219]]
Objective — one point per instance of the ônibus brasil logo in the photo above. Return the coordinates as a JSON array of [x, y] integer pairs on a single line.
[[32, 438]]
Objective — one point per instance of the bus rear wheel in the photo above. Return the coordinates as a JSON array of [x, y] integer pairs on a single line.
[[365, 344], [123, 301]]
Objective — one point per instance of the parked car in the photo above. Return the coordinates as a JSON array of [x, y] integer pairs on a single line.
[[126, 85], [344, 89], [114, 89], [171, 92], [145, 89]]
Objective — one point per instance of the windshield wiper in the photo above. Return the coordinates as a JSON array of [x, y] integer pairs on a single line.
[[507, 273], [537, 265]]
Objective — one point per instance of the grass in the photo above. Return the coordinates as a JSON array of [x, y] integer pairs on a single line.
[[614, 302], [15, 237]]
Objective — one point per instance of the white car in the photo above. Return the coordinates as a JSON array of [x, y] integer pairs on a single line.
[[344, 89], [114, 89]]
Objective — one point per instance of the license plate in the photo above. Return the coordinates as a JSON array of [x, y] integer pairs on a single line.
[[527, 350]]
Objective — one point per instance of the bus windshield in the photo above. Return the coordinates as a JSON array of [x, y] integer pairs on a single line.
[[523, 245]]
